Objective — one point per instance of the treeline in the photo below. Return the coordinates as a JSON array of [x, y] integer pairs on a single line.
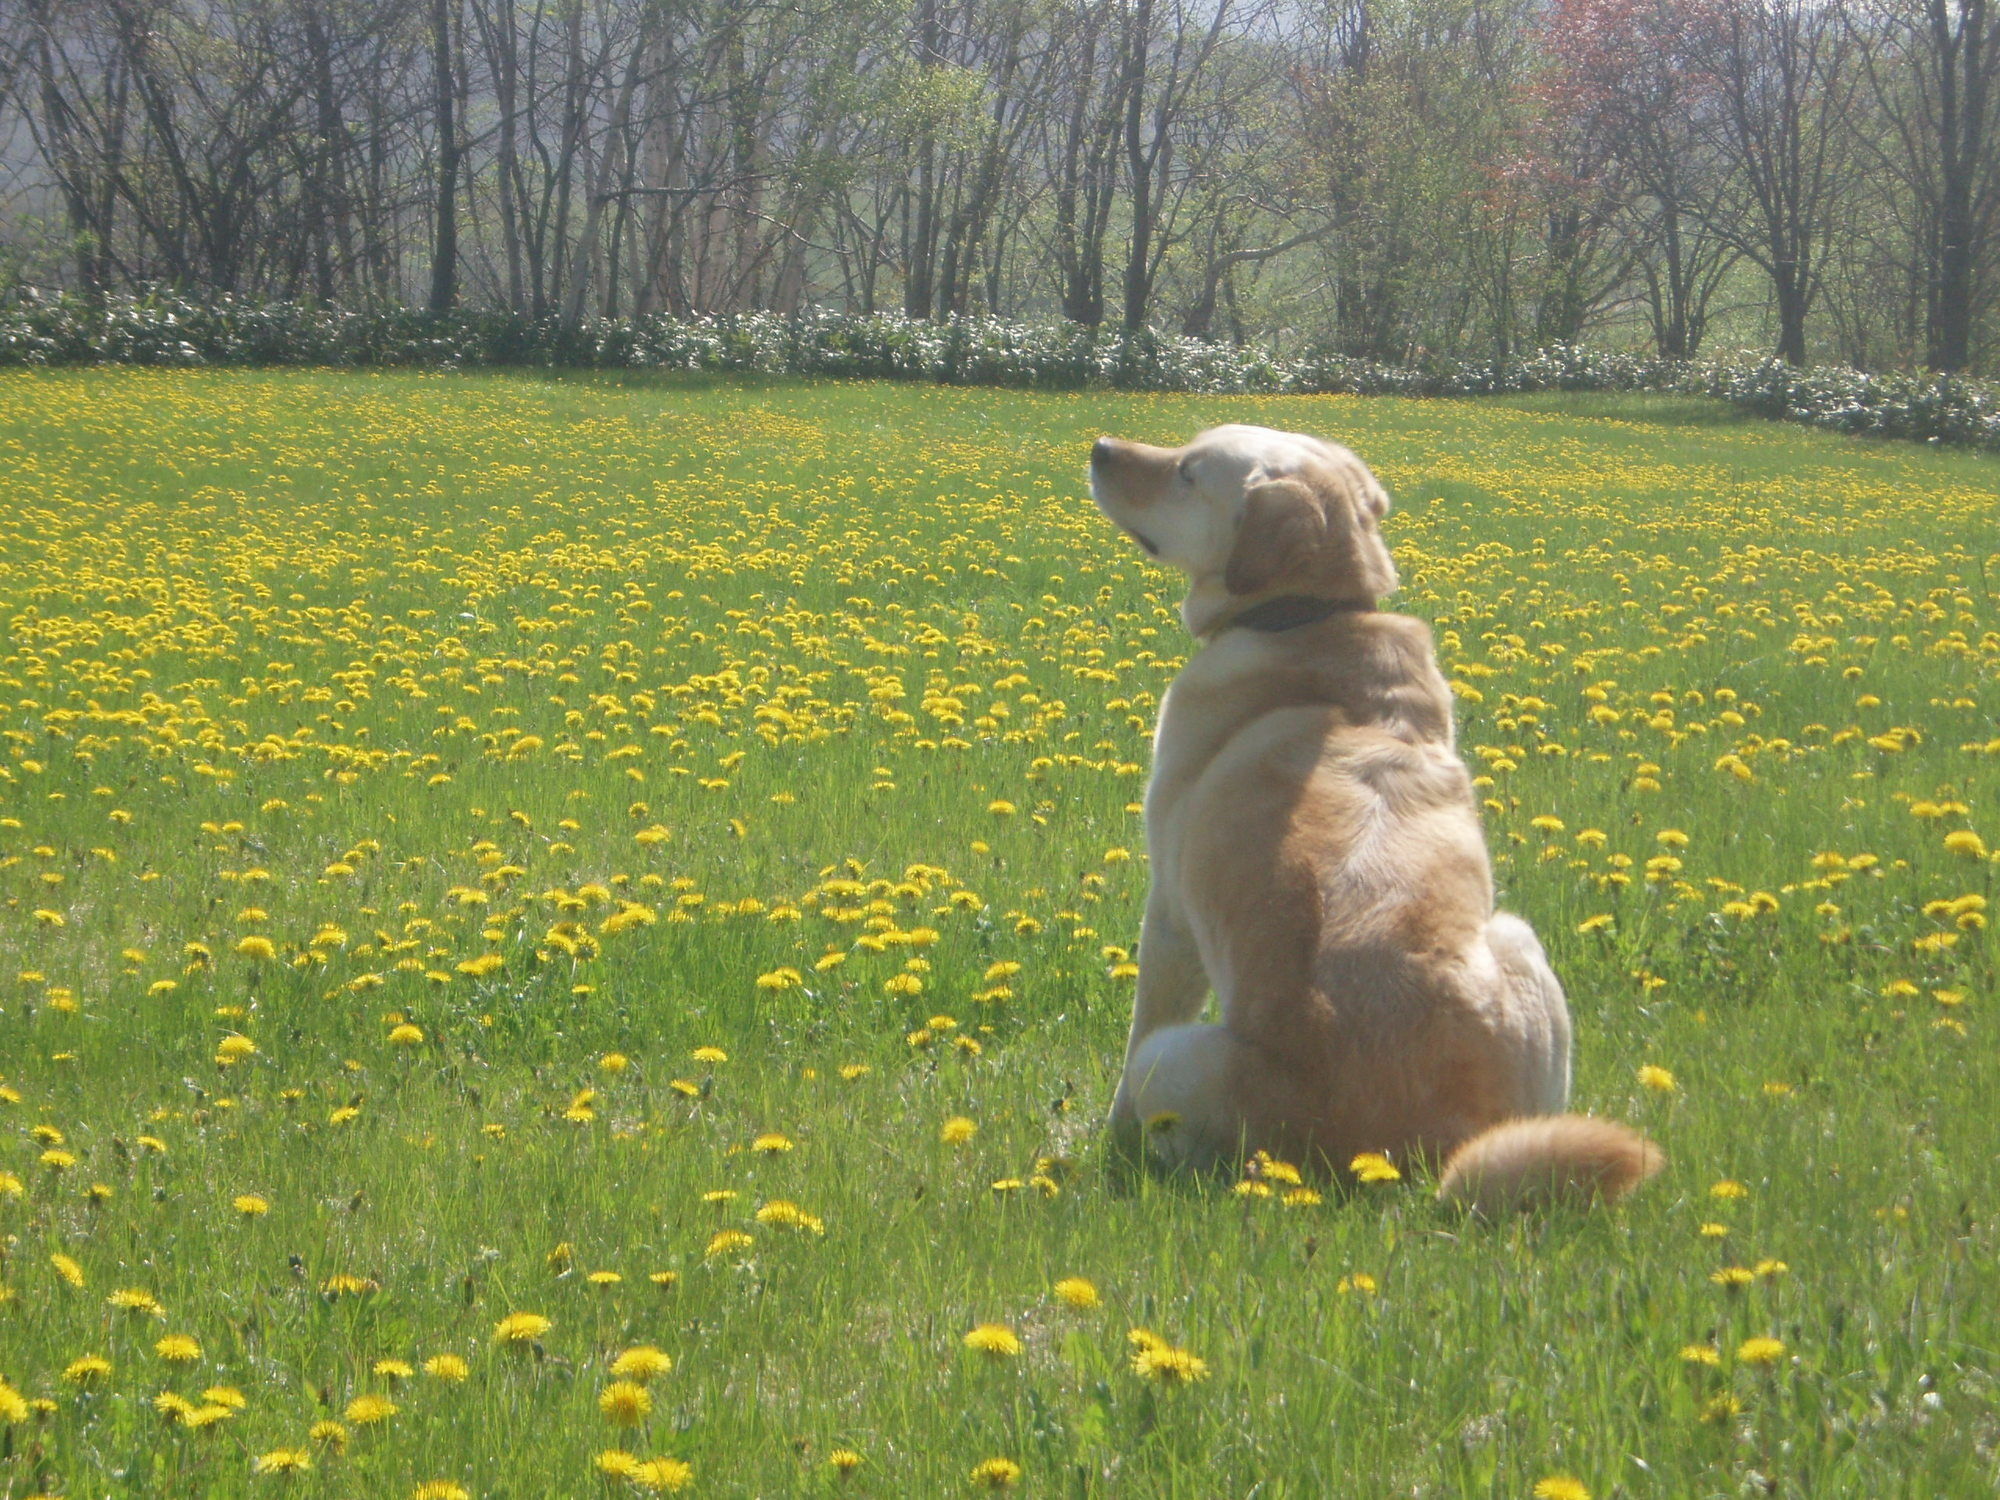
[[1390, 180]]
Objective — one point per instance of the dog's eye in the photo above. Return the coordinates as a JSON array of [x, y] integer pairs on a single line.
[[1184, 471]]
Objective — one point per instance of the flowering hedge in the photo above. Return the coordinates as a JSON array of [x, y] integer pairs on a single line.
[[165, 330]]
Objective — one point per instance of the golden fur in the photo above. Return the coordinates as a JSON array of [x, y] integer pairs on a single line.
[[1317, 859]]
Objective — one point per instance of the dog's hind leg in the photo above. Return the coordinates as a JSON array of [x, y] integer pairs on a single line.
[[1176, 1099], [1540, 1013]]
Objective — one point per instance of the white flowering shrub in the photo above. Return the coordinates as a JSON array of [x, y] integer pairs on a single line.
[[170, 330]]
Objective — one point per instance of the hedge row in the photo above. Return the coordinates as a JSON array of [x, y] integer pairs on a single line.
[[165, 330]]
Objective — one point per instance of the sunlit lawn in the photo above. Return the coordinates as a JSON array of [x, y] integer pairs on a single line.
[[661, 857]]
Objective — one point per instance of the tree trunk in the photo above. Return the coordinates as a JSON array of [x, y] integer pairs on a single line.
[[444, 248]]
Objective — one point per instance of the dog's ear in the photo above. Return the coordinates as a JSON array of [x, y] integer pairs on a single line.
[[1284, 524], [1317, 531]]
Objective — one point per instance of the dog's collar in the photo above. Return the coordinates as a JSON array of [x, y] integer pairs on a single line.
[[1290, 611]]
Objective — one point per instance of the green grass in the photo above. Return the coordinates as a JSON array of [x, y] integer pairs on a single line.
[[273, 641]]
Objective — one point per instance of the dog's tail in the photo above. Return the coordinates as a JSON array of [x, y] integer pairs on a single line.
[[1548, 1159]]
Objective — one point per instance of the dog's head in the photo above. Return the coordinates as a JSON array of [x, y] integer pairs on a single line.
[[1250, 514]]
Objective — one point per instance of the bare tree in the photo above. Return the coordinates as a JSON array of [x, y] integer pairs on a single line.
[[1784, 74]]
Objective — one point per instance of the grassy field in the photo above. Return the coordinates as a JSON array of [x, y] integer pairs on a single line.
[[502, 872]]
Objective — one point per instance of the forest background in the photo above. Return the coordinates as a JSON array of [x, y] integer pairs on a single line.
[[1393, 180]]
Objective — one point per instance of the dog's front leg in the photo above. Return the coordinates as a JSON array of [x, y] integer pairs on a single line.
[[1172, 988]]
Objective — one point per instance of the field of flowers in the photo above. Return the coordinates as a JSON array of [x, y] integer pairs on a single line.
[[570, 936]]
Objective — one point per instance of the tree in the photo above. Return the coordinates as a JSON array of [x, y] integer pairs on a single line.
[[1934, 74], [1784, 74]]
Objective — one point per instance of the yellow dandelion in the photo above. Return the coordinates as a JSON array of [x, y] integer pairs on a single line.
[[1760, 1351], [1165, 1364], [1372, 1166], [996, 1473], [178, 1349], [282, 1461], [370, 1410], [440, 1489], [662, 1476], [87, 1369], [625, 1403], [1560, 1487], [843, 1461], [520, 1330], [67, 1269], [727, 1242], [957, 1130], [1077, 1292], [250, 1205], [328, 1434], [641, 1363], [447, 1367], [994, 1340], [1658, 1079], [771, 1143]]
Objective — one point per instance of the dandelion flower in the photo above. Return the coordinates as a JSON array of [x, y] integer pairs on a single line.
[[788, 1215], [440, 1489], [250, 1205], [1077, 1292], [1163, 1363], [641, 1363], [406, 1035], [957, 1130], [86, 1369], [1760, 1351], [178, 1349], [519, 1330], [1560, 1487], [1728, 1188], [370, 1410], [1372, 1166], [282, 1461], [447, 1367], [328, 1434], [393, 1369], [843, 1461], [727, 1242], [662, 1476], [996, 1473], [1700, 1354], [994, 1340], [772, 1143], [68, 1269], [625, 1403], [1658, 1079], [616, 1463]]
